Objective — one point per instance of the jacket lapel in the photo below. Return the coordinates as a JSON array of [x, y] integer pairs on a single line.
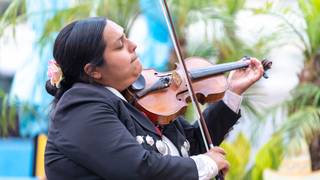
[[135, 114], [141, 118], [172, 131]]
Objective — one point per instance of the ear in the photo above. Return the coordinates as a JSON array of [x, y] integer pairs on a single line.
[[92, 71]]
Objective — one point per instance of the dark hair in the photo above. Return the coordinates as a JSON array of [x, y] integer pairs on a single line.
[[79, 43]]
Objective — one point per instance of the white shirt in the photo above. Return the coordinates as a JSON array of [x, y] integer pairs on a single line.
[[207, 167]]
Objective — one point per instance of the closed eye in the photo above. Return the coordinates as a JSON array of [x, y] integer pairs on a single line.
[[120, 42]]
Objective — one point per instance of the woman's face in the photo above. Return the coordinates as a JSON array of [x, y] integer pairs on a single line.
[[121, 64]]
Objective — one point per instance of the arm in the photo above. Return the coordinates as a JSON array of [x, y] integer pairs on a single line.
[[220, 119]]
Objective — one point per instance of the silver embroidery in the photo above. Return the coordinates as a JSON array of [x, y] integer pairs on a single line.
[[149, 140], [162, 147], [186, 145], [140, 139], [184, 152]]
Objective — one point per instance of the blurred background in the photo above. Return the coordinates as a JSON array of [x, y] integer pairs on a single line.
[[278, 136]]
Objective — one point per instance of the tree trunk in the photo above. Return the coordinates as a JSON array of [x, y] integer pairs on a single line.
[[314, 149], [310, 74]]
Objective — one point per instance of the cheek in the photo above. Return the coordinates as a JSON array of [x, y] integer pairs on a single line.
[[121, 69], [118, 61], [120, 66]]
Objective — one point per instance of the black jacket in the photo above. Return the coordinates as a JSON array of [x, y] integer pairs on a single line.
[[92, 135]]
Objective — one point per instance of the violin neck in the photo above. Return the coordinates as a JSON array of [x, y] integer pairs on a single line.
[[216, 69]]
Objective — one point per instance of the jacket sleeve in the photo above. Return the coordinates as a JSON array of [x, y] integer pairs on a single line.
[[219, 118], [93, 136]]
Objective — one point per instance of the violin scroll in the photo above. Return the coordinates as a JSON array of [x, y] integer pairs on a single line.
[[266, 66]]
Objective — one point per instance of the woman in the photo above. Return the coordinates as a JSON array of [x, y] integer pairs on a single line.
[[96, 134]]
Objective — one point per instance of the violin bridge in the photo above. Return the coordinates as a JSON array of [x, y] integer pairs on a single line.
[[176, 79]]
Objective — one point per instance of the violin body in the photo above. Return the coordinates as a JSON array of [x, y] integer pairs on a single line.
[[168, 103]]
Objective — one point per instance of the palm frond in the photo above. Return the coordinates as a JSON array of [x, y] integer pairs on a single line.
[[238, 154], [183, 12], [202, 50], [303, 96], [122, 12], [63, 17], [283, 14], [302, 124], [303, 121], [7, 114], [311, 13], [268, 157], [231, 7], [15, 13]]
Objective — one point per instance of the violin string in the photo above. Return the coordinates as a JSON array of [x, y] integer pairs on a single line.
[[216, 69]]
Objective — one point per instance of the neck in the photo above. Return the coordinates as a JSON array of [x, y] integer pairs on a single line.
[[216, 69]]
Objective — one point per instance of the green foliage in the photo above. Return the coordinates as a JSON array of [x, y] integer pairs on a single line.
[[311, 14], [304, 114], [308, 35], [268, 157], [302, 117], [7, 114], [226, 45], [238, 154], [229, 7], [62, 18], [303, 121], [14, 14], [203, 50], [123, 12], [229, 47], [304, 95], [220, 15], [183, 11]]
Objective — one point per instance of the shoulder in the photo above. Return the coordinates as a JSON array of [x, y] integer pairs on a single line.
[[83, 104], [89, 92], [87, 96]]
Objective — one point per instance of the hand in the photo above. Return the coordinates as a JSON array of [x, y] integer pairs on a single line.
[[240, 80], [218, 155]]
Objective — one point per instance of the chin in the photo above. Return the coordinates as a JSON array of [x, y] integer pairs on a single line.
[[139, 69]]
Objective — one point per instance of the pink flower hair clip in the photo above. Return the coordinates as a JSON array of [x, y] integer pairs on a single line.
[[55, 73]]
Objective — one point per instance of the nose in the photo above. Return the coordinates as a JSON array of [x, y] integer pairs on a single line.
[[132, 46]]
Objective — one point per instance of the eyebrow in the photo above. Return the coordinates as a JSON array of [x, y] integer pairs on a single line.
[[120, 37], [115, 43], [122, 30]]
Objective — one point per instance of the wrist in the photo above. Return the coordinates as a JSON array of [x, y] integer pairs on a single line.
[[232, 100], [206, 166], [238, 91]]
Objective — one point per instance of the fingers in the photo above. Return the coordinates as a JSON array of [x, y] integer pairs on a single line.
[[255, 64], [226, 168], [218, 155], [218, 150]]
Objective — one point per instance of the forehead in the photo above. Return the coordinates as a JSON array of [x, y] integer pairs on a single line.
[[113, 31]]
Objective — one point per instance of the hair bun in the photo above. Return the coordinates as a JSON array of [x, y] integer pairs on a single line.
[[52, 90]]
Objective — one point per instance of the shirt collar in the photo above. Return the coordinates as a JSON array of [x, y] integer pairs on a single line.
[[116, 92]]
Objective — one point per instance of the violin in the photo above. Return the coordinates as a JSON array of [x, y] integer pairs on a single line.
[[164, 95]]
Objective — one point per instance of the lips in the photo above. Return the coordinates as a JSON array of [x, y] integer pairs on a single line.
[[134, 58]]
